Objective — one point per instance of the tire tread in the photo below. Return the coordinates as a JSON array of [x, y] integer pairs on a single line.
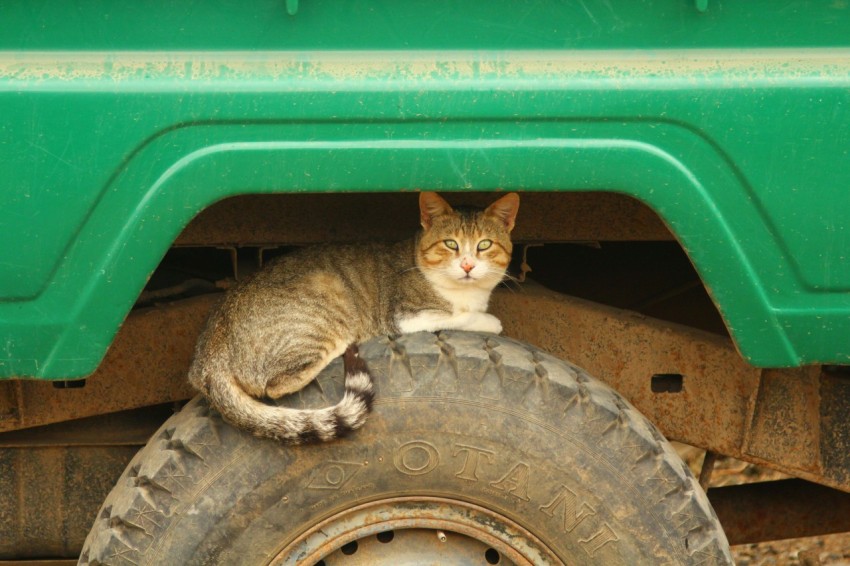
[[184, 451]]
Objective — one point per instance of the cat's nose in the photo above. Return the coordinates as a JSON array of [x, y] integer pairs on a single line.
[[466, 265]]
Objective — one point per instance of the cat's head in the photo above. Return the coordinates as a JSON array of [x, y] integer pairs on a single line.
[[465, 246]]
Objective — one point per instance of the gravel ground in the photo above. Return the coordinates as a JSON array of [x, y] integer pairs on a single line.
[[828, 550]]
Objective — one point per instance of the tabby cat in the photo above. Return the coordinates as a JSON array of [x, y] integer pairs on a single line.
[[276, 330]]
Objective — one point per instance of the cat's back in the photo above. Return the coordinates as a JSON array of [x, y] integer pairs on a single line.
[[355, 282], [368, 262]]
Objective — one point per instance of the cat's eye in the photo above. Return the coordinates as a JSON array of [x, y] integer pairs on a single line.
[[451, 244], [484, 244]]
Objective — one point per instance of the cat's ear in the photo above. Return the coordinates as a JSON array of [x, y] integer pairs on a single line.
[[431, 205], [505, 209]]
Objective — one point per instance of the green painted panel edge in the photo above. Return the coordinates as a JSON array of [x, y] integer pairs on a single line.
[[763, 308], [97, 298]]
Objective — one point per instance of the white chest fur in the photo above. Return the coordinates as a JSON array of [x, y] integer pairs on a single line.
[[466, 298], [468, 306]]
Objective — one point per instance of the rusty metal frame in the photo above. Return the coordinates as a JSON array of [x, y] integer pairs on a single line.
[[790, 420], [787, 419]]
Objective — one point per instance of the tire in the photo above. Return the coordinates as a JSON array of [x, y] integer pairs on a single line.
[[480, 449]]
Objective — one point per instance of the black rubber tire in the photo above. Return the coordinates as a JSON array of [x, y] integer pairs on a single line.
[[467, 417]]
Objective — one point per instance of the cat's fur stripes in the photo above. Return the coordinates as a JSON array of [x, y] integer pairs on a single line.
[[277, 329], [295, 426]]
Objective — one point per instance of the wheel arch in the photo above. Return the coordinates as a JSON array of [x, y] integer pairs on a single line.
[[699, 196]]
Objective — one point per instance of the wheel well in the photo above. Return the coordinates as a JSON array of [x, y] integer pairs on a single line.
[[605, 247]]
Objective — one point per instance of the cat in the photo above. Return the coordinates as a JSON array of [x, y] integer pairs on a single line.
[[274, 331]]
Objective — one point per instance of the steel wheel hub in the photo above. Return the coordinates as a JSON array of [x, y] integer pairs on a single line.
[[419, 531]]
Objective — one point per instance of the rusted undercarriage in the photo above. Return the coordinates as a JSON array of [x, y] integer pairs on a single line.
[[705, 395], [691, 383]]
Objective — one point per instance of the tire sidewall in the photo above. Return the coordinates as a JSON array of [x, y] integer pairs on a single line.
[[465, 417]]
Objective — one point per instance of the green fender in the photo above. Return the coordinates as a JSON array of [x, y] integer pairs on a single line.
[[107, 155]]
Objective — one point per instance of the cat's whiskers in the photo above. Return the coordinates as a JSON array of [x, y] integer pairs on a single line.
[[422, 268], [511, 283]]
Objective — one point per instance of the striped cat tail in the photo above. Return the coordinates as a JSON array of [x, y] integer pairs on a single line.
[[297, 426], [350, 413]]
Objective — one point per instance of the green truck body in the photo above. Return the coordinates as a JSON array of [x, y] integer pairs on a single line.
[[119, 122], [152, 152]]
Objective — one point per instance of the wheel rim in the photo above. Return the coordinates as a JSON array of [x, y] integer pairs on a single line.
[[425, 530]]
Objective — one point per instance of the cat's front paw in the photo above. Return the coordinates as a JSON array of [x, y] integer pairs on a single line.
[[484, 322]]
